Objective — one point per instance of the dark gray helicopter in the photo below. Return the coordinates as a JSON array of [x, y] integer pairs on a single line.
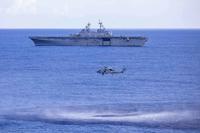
[[107, 70]]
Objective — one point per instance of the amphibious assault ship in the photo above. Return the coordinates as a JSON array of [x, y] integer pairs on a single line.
[[88, 37]]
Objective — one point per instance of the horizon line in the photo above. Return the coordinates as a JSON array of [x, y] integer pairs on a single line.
[[45, 28]]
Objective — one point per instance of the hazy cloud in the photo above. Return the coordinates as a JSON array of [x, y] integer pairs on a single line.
[[22, 7], [37, 7], [115, 13]]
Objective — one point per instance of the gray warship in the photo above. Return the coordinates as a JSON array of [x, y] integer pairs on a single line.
[[88, 37]]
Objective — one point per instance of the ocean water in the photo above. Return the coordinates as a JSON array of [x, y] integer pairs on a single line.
[[57, 89]]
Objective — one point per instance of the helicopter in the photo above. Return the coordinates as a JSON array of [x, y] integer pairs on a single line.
[[107, 70]]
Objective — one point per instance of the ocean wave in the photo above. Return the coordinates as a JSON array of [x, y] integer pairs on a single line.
[[167, 119]]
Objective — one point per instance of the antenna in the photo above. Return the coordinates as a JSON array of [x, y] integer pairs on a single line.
[[88, 27], [101, 25], [88, 24]]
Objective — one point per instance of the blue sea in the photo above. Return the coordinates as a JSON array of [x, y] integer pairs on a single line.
[[57, 90]]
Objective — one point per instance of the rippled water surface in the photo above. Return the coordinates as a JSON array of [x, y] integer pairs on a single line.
[[57, 89]]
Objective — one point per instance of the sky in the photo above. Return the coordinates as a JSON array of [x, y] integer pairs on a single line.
[[161, 14]]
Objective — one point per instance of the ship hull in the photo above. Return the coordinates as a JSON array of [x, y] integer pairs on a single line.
[[92, 41]]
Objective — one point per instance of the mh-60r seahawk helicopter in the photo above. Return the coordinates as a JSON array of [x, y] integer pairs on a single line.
[[107, 70]]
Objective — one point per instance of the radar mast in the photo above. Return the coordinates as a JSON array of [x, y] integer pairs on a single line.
[[101, 27], [87, 27]]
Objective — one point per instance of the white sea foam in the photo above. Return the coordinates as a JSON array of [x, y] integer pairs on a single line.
[[179, 118], [166, 116]]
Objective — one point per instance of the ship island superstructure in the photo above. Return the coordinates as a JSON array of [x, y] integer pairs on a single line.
[[88, 37]]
